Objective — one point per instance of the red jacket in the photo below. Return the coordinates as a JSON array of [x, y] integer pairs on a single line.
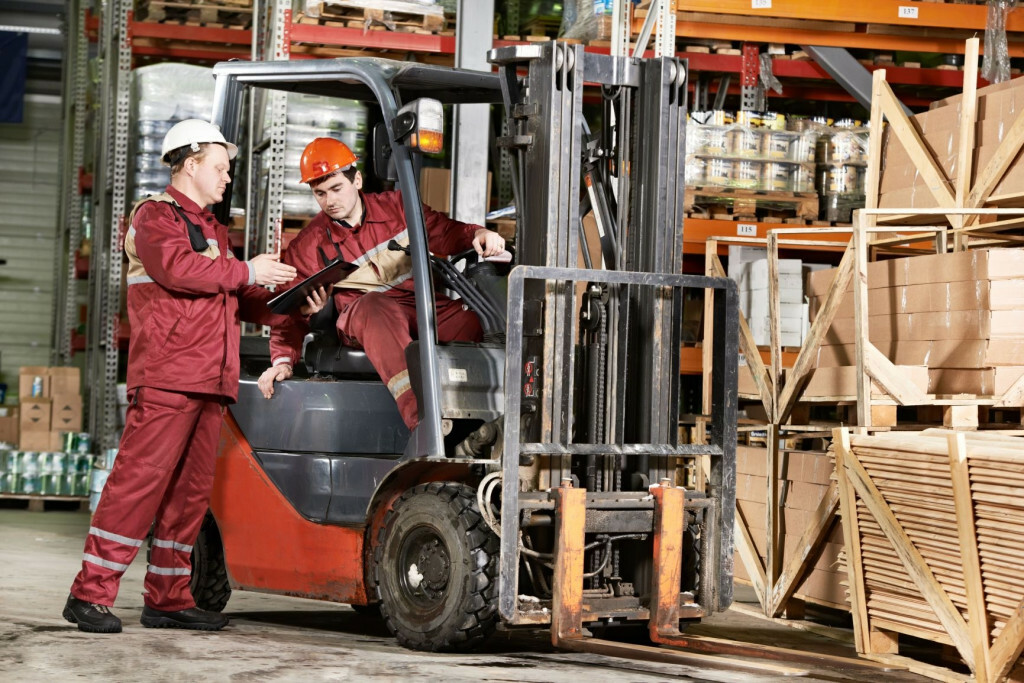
[[183, 305], [364, 245]]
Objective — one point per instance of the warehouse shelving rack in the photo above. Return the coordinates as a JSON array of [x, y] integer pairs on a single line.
[[276, 33]]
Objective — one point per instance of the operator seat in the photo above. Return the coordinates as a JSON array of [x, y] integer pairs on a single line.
[[325, 354]]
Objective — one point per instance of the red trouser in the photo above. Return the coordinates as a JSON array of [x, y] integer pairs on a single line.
[[164, 469], [384, 324]]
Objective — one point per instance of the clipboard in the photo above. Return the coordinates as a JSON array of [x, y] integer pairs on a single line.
[[296, 296]]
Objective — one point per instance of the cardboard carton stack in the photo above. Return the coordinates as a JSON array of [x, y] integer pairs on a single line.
[[954, 323], [749, 268], [804, 480], [57, 408], [902, 186]]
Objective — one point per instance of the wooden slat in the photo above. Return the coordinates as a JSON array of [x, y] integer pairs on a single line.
[[860, 314], [965, 150], [976, 610], [851, 537], [993, 172]]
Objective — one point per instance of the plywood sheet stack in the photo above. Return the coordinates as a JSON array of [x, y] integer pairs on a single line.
[[903, 186], [935, 523], [804, 480], [953, 322]]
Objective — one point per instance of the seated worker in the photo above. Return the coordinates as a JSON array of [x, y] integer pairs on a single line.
[[376, 303]]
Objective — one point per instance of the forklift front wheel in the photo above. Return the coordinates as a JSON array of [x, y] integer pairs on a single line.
[[437, 569], [209, 583]]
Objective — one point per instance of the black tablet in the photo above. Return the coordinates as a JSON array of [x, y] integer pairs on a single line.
[[296, 296]]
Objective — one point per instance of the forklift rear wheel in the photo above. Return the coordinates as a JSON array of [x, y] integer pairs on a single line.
[[437, 569], [209, 584]]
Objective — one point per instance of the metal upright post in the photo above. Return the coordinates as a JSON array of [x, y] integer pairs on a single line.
[[114, 168], [472, 122], [65, 310], [281, 20]]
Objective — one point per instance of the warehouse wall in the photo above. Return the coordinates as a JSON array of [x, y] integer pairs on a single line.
[[29, 198]]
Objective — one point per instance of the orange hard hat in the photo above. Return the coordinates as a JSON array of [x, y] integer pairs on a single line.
[[324, 156]]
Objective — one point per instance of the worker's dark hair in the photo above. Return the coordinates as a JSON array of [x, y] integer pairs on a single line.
[[176, 157], [349, 173]]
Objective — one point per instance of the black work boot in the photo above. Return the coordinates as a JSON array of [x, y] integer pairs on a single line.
[[191, 618], [91, 617]]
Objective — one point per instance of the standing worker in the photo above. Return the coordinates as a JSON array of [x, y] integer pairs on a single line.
[[377, 302], [184, 296]]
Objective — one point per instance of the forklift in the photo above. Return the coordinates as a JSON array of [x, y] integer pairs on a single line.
[[546, 483]]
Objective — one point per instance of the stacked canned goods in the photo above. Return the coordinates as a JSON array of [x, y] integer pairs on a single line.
[[754, 151], [841, 168], [51, 474]]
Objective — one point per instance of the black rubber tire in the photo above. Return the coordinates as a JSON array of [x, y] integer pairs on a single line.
[[209, 584], [452, 606]]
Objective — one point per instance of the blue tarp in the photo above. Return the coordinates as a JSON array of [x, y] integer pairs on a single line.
[[13, 58]]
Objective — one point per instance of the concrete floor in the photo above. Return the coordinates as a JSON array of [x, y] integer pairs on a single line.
[[287, 639]]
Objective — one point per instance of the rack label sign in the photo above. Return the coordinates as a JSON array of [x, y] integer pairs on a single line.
[[746, 229], [760, 4], [906, 12]]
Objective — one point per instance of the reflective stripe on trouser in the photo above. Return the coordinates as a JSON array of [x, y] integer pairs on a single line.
[[164, 470], [383, 324]]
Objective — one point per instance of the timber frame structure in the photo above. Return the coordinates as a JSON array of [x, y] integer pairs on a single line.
[[881, 387]]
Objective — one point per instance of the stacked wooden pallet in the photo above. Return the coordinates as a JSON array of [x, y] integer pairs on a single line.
[[392, 15], [933, 524], [228, 13]]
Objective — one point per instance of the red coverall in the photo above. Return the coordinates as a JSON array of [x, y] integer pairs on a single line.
[[381, 319], [183, 368]]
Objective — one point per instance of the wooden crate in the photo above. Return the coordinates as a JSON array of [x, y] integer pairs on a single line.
[[933, 524]]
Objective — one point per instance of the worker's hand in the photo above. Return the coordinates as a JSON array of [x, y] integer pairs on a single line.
[[277, 373], [270, 271], [488, 243], [315, 301]]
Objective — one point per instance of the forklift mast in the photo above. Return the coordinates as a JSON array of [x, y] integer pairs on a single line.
[[599, 409]]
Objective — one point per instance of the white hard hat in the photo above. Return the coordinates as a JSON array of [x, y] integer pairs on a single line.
[[194, 132]]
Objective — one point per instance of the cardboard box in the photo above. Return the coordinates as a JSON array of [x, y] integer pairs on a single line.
[[842, 382], [67, 413], [64, 380], [27, 376], [435, 188], [35, 415], [978, 381], [9, 426], [51, 442]]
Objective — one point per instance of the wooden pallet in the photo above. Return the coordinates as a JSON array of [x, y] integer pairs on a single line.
[[393, 15], [198, 13], [733, 203], [35, 503]]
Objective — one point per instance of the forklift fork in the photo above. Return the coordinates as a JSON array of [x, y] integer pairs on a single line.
[[567, 630]]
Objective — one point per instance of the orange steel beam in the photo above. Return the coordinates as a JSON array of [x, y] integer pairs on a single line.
[[869, 41], [690, 362], [893, 12]]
